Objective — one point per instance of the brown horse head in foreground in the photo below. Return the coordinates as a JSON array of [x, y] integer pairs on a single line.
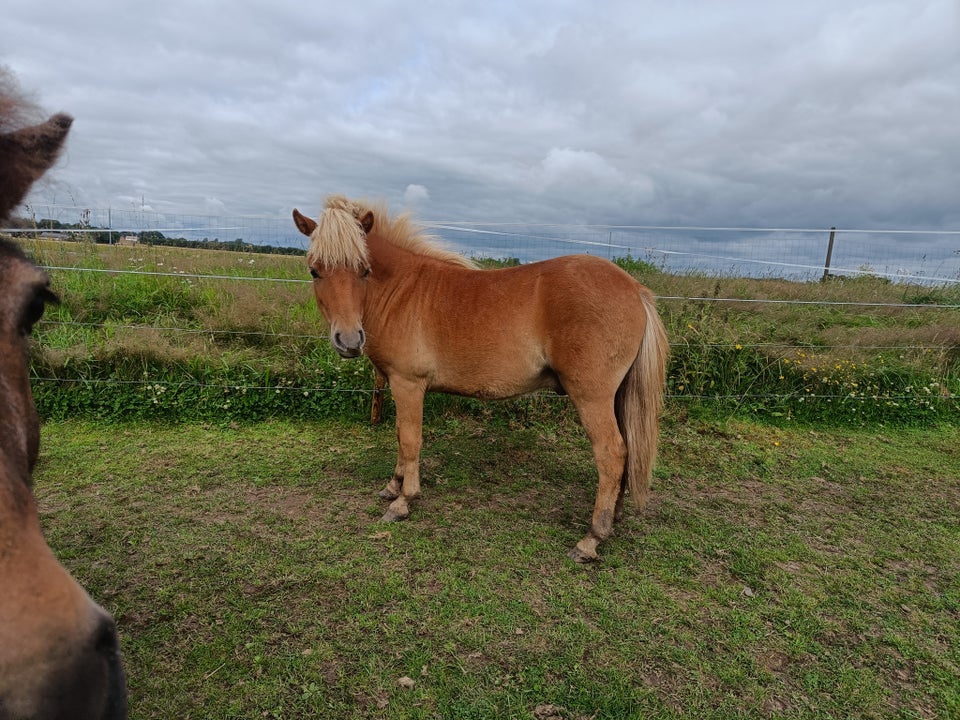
[[429, 320], [59, 655]]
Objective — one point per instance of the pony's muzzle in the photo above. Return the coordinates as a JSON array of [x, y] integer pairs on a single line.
[[82, 678], [100, 682], [348, 344], [108, 648]]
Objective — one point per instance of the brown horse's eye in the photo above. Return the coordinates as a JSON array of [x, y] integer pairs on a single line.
[[365, 273], [34, 309], [314, 274]]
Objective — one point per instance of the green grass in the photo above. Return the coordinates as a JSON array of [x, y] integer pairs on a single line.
[[777, 571], [799, 557]]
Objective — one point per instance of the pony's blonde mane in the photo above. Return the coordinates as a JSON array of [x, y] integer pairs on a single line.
[[339, 240]]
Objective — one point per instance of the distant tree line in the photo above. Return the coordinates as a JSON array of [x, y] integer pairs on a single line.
[[154, 237], [106, 236]]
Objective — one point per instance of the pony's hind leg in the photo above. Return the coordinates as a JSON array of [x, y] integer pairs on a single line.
[[610, 454], [618, 510], [404, 486]]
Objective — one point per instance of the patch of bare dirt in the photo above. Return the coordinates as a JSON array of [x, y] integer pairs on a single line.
[[548, 711]]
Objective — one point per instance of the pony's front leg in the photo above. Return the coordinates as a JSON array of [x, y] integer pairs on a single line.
[[405, 484]]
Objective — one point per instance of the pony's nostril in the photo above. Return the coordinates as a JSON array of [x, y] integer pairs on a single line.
[[107, 647], [106, 636], [349, 340]]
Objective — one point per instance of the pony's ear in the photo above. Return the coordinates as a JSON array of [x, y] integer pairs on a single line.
[[303, 223], [366, 221]]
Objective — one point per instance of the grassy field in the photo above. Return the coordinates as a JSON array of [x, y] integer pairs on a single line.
[[208, 474], [777, 572]]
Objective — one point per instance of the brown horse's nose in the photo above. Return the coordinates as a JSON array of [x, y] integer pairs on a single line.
[[82, 679], [95, 688], [107, 646], [348, 344]]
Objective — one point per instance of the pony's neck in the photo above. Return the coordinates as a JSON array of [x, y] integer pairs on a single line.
[[399, 272]]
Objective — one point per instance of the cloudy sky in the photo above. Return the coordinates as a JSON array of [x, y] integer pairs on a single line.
[[738, 113]]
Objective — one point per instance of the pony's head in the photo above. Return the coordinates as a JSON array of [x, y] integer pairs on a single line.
[[339, 263], [59, 655]]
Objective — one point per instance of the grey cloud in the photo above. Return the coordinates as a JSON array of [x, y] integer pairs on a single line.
[[739, 113]]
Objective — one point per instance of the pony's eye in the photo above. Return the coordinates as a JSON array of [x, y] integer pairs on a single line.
[[365, 273], [34, 310], [314, 274]]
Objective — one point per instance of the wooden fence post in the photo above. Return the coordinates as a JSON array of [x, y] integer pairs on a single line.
[[379, 387], [826, 265]]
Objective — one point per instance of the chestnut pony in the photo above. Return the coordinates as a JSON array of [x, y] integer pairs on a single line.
[[429, 320], [59, 655]]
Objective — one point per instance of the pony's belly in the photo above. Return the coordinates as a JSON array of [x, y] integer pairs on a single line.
[[497, 387]]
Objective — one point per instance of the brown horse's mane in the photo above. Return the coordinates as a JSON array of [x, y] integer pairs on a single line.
[[15, 110], [339, 240]]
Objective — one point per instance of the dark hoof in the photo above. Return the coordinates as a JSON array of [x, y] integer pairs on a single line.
[[391, 516], [388, 494], [579, 556]]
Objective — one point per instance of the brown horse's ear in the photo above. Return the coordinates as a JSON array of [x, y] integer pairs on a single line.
[[303, 223], [27, 153], [366, 221]]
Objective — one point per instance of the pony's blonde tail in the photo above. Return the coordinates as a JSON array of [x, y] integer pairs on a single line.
[[638, 403]]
